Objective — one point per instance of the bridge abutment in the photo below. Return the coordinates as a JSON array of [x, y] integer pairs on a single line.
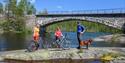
[[123, 28]]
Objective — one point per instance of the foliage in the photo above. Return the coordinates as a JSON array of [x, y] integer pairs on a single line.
[[71, 25], [15, 14], [110, 56], [44, 12], [1, 8], [30, 8]]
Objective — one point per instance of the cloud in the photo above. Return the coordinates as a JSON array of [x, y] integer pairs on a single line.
[[32, 1], [59, 7]]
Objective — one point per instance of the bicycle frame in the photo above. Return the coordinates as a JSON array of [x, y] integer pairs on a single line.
[[63, 42]]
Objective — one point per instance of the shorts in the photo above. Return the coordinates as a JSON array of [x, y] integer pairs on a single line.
[[36, 38]]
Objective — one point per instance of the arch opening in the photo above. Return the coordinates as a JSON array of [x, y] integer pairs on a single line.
[[91, 25]]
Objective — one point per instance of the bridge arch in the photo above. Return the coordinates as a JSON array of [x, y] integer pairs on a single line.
[[105, 28], [57, 20]]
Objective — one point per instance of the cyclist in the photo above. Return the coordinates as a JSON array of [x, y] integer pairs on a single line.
[[58, 34]]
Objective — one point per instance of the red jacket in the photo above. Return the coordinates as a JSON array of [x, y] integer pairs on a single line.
[[58, 34]]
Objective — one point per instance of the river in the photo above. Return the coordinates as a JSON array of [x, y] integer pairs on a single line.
[[13, 41]]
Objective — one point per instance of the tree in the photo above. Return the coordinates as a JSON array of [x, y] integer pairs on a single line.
[[44, 12], [30, 9], [15, 14], [1, 8], [21, 7]]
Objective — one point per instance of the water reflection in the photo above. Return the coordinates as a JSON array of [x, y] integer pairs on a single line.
[[13, 41], [2, 44]]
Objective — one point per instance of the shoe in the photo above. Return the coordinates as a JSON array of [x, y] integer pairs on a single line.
[[78, 47]]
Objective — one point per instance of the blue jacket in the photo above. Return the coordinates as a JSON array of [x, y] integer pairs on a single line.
[[80, 28]]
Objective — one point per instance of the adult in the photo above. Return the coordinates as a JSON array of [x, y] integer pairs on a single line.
[[36, 36], [80, 32]]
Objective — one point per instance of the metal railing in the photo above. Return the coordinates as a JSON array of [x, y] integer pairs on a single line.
[[100, 11]]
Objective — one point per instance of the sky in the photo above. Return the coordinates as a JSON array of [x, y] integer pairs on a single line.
[[70, 5]]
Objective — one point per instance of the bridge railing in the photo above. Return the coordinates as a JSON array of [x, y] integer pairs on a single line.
[[101, 11]]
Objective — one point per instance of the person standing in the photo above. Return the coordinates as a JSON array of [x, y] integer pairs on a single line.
[[36, 36], [80, 32]]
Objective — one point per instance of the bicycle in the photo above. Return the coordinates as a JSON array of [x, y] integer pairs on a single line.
[[63, 42], [32, 46]]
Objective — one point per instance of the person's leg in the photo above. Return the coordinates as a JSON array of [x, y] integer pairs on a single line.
[[57, 42], [37, 44], [78, 37], [34, 41], [87, 46]]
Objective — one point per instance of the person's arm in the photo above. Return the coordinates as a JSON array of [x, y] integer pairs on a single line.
[[60, 32], [55, 33], [84, 29]]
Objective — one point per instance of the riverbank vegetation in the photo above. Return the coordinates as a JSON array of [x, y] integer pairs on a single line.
[[14, 19], [71, 25], [14, 13]]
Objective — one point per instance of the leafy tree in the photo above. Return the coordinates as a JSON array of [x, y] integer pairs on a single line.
[[44, 12], [1, 8], [15, 14], [30, 9]]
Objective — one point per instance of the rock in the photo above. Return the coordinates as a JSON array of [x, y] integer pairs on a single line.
[[122, 40], [72, 53], [98, 39], [111, 38], [121, 58], [1, 58], [75, 56], [18, 56]]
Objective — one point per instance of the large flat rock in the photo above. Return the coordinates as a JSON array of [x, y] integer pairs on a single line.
[[118, 38], [55, 53]]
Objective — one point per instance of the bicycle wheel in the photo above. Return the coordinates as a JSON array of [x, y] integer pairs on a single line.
[[31, 46], [57, 43], [67, 44]]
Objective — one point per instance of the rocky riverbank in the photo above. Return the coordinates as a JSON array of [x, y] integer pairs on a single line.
[[104, 53], [117, 38]]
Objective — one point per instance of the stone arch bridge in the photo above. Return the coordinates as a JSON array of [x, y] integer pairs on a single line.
[[115, 19]]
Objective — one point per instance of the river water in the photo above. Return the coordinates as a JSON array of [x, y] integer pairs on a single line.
[[13, 41]]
